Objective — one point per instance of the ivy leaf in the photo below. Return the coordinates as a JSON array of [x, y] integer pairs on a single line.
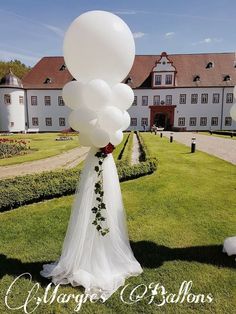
[[94, 222], [103, 205], [98, 199], [100, 162], [96, 168], [99, 228], [94, 210]]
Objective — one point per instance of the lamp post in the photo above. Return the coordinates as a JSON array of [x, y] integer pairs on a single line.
[[171, 137], [161, 134], [193, 145]]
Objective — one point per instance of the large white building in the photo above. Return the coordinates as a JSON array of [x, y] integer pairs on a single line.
[[178, 92]]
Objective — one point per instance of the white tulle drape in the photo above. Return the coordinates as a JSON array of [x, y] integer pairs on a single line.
[[98, 263]]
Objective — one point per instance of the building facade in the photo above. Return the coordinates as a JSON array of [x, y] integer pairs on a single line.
[[177, 92]]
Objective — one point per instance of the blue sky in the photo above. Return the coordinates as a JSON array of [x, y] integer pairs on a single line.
[[31, 29]]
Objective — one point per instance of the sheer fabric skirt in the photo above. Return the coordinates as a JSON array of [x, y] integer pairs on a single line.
[[98, 263]]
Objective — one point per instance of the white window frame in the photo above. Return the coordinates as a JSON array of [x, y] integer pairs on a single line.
[[157, 82], [169, 79], [168, 99], [7, 99], [135, 102], [47, 100], [35, 121], [203, 121], [60, 101], [181, 121], [214, 119], [34, 100], [229, 98], [144, 100], [182, 99], [144, 121], [46, 121], [204, 98], [192, 121], [228, 121], [216, 98], [21, 100], [194, 98], [60, 121], [133, 121]]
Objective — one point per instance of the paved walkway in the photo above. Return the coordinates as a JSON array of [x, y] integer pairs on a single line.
[[220, 147], [67, 160], [135, 151]]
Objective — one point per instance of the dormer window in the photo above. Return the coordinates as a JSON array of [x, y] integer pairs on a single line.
[[63, 67], [48, 80], [196, 78], [157, 79], [128, 80], [168, 79], [209, 65], [226, 78]]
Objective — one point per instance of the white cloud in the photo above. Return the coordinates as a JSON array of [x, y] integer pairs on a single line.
[[138, 35], [10, 55], [169, 34], [55, 29], [207, 40], [127, 12]]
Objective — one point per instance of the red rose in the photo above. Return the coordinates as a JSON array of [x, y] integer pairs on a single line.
[[108, 149]]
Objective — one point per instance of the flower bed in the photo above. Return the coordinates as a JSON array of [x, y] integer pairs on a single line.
[[10, 147]]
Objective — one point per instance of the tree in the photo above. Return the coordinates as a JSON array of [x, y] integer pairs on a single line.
[[17, 67]]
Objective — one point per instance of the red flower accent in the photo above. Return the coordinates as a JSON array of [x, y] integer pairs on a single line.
[[108, 149]]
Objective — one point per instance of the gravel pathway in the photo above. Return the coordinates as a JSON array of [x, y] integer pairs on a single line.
[[135, 151], [220, 147], [68, 159]]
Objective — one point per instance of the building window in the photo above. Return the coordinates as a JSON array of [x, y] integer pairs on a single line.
[[7, 99], [62, 121], [214, 121], [181, 122], [203, 121], [144, 121], [194, 98], [226, 78], [209, 65], [135, 101], [196, 78], [156, 100], [193, 121], [48, 80], [157, 79], [182, 99], [47, 100], [216, 98], [133, 121], [34, 100], [168, 99], [204, 99], [35, 121], [21, 100], [48, 121], [168, 79], [144, 100], [11, 124], [229, 98], [60, 101], [228, 121]]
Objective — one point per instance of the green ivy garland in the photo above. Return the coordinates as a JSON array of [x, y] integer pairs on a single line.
[[98, 189]]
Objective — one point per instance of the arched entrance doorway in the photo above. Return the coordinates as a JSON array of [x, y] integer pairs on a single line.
[[160, 120]]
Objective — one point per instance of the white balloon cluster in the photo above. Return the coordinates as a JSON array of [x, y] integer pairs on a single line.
[[99, 52]]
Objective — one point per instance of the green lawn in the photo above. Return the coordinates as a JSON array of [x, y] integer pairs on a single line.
[[177, 217], [42, 145]]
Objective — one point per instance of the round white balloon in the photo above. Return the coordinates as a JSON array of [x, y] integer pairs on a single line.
[[72, 94], [116, 138], [84, 139], [82, 120], [96, 94], [99, 44], [122, 96], [233, 112], [99, 137], [110, 118], [126, 120]]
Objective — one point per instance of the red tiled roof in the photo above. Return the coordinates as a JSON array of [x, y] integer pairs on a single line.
[[187, 66]]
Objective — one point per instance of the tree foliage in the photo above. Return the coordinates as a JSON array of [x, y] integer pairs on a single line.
[[17, 67]]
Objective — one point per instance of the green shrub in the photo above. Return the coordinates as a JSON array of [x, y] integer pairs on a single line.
[[31, 188]]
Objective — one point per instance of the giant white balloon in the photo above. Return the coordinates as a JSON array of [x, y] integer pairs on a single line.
[[110, 118], [99, 44], [233, 112], [82, 120], [126, 121], [72, 94], [116, 138], [99, 137], [122, 96], [96, 94], [84, 139]]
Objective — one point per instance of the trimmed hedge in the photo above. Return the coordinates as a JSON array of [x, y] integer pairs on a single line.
[[32, 188]]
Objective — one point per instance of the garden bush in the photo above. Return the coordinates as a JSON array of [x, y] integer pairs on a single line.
[[32, 188], [10, 147]]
